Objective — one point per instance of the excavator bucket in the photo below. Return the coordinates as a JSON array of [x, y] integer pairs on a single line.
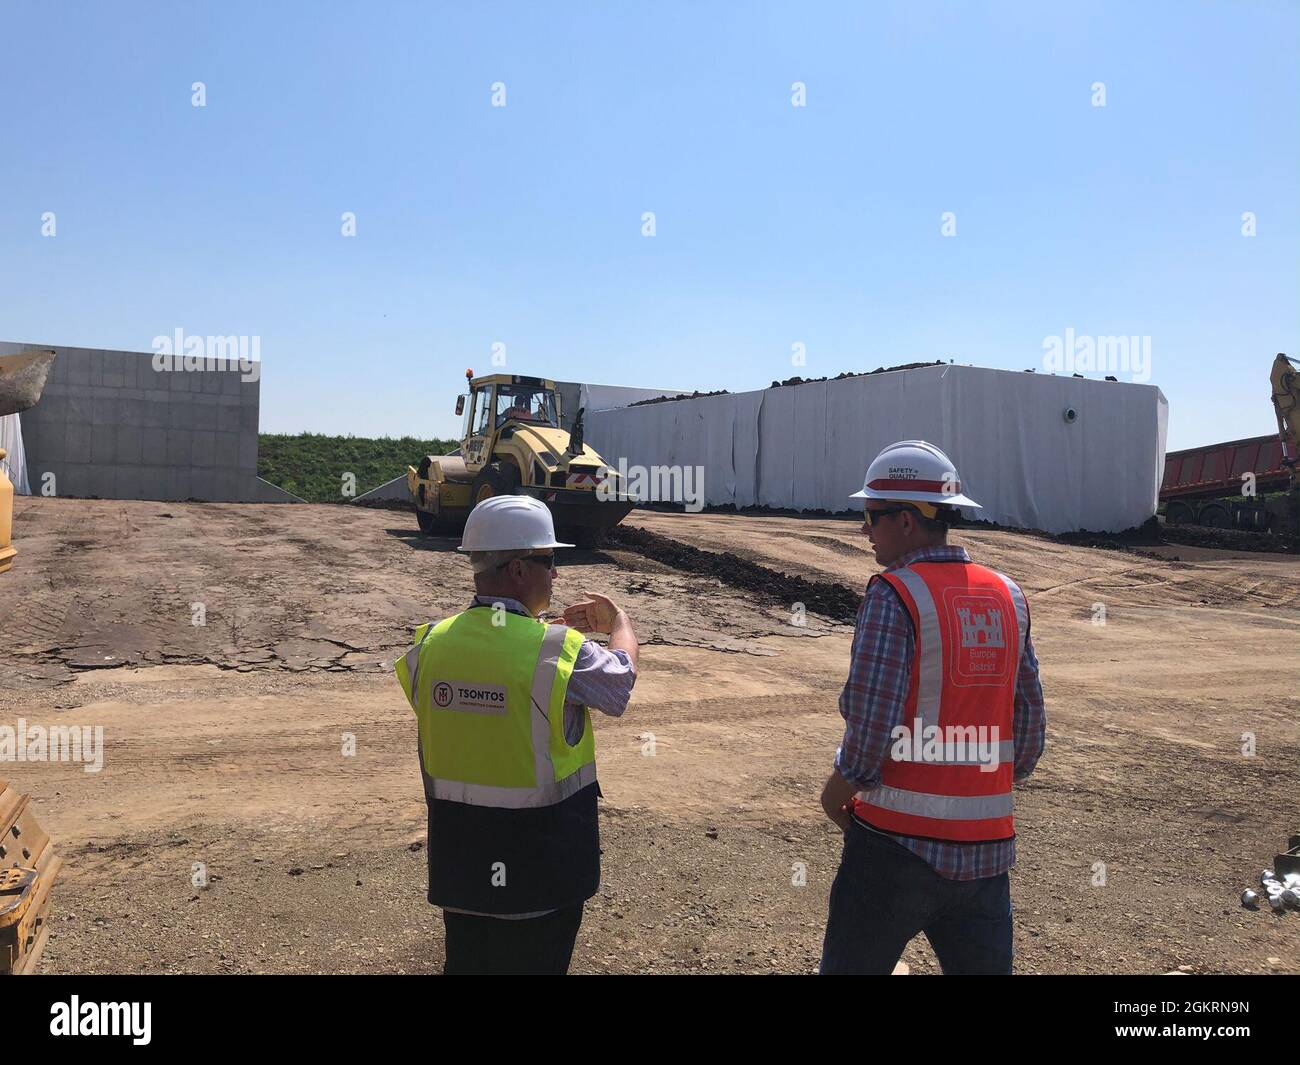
[[22, 380], [28, 867]]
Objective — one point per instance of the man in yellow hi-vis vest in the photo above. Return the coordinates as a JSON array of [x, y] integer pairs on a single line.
[[506, 747]]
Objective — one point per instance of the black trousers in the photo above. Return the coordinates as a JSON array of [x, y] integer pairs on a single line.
[[490, 946]]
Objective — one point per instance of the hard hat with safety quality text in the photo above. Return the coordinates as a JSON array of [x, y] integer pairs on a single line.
[[913, 471]]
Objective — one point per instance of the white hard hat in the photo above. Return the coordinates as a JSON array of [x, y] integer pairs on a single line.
[[509, 523], [912, 471]]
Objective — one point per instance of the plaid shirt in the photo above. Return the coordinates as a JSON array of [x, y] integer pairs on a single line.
[[874, 702]]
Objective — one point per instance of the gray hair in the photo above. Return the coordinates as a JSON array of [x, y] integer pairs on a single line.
[[484, 561]]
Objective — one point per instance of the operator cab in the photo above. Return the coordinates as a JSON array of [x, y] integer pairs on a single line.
[[526, 403], [500, 399]]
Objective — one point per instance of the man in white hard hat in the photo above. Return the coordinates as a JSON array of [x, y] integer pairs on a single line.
[[506, 747], [943, 711]]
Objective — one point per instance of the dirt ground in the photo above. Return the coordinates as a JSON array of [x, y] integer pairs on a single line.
[[272, 746]]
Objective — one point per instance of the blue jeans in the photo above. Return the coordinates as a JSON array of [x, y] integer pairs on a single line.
[[884, 894]]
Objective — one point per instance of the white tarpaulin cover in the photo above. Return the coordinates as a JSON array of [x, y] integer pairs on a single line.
[[15, 460], [608, 397], [806, 447]]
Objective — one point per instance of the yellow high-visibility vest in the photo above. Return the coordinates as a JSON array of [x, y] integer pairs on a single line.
[[512, 804]]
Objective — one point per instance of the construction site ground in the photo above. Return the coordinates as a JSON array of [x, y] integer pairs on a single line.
[[270, 750]]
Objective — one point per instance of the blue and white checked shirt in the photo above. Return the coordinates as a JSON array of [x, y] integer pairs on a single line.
[[874, 702]]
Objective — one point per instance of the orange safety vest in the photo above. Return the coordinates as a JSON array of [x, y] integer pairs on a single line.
[[949, 769]]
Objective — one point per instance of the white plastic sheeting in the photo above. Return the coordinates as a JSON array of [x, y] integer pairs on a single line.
[[15, 460], [610, 397], [806, 447]]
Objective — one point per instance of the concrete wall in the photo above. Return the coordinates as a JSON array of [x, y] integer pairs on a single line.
[[110, 425]]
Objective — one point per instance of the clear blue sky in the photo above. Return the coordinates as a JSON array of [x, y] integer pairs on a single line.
[[775, 224]]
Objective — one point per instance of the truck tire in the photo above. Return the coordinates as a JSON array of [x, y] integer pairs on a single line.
[[1216, 516], [1179, 513], [495, 479]]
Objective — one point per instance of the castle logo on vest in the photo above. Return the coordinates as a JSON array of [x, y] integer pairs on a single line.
[[980, 628], [979, 655], [469, 698]]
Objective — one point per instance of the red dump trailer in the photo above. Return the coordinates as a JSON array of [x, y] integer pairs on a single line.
[[1208, 486]]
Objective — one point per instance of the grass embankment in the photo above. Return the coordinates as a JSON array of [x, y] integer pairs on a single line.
[[313, 466]]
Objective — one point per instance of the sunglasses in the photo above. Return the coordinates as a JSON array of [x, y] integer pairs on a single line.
[[873, 516]]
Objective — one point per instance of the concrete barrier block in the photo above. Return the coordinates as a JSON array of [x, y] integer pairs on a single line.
[[96, 369], [104, 410], [211, 382], [248, 453], [131, 482], [180, 415], [131, 371], [226, 450], [153, 447], [248, 419], [179, 380], [51, 410], [130, 411], [180, 448], [203, 413], [100, 481], [77, 446], [150, 378], [157, 414], [203, 485], [49, 444], [205, 449], [129, 439], [178, 484], [225, 486], [114, 372], [230, 383], [228, 417], [103, 445], [73, 369], [80, 409]]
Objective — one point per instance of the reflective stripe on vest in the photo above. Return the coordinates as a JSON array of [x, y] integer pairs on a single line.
[[941, 807], [949, 774]]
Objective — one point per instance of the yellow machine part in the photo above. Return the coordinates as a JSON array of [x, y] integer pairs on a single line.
[[28, 868], [1285, 378], [6, 519]]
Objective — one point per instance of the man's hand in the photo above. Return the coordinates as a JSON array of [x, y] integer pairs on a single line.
[[836, 796], [596, 613]]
